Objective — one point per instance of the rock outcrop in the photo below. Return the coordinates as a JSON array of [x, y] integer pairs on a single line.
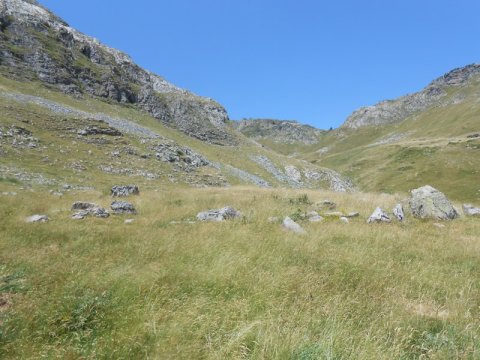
[[37, 45], [429, 203]]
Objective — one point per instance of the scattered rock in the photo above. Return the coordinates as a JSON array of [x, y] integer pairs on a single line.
[[97, 130], [80, 215], [316, 218], [470, 210], [398, 212], [129, 221], [429, 203], [37, 218], [312, 213], [379, 215], [352, 214], [122, 207], [219, 214], [344, 219], [291, 225], [81, 205], [99, 212], [124, 190], [334, 214], [326, 204]]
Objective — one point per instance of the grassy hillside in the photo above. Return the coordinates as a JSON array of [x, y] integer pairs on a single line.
[[439, 146], [100, 288], [63, 155]]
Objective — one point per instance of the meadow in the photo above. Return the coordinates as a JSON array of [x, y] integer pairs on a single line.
[[241, 289]]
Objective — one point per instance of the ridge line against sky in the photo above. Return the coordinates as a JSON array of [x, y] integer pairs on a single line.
[[311, 61]]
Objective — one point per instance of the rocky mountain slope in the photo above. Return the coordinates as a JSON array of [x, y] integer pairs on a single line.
[[36, 45], [428, 137], [279, 131], [434, 95], [75, 112]]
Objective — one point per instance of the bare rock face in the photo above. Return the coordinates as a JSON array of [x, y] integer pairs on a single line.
[[470, 210], [218, 215], [429, 203], [292, 226], [37, 45], [379, 216]]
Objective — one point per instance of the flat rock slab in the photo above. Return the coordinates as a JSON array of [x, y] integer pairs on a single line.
[[292, 226], [218, 215], [429, 203], [123, 207], [379, 216], [37, 219], [124, 190], [470, 210]]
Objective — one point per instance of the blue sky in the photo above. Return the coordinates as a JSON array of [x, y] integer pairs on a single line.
[[306, 60]]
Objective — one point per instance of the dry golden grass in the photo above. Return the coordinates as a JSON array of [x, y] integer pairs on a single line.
[[99, 288]]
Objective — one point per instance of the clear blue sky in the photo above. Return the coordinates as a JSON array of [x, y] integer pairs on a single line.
[[313, 61]]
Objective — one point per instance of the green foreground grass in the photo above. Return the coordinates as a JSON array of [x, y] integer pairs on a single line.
[[99, 288]]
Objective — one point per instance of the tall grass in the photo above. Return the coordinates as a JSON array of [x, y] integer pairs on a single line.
[[100, 288]]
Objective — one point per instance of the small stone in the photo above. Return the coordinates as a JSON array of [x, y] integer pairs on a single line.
[[470, 210], [379, 215], [273, 219], [329, 204], [441, 226], [100, 212], [344, 219], [37, 218], [312, 213], [291, 225], [123, 207], [129, 221], [398, 212]]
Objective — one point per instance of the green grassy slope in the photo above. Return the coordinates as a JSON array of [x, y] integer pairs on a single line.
[[57, 132]]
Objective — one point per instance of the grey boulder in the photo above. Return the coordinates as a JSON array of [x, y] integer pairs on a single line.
[[123, 207], [124, 190], [379, 216], [470, 210], [398, 212], [292, 226], [219, 214], [429, 203], [82, 205]]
